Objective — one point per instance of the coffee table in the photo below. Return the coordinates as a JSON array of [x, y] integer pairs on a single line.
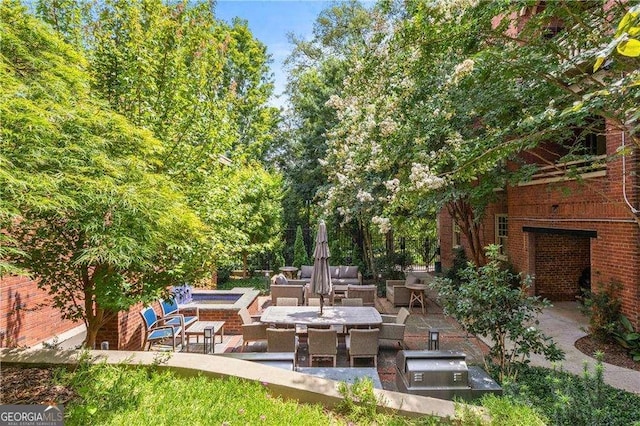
[[197, 330]]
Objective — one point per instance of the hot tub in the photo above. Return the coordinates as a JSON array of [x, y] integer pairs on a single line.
[[222, 305]]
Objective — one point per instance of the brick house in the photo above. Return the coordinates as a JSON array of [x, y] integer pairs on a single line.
[[572, 222], [559, 226]]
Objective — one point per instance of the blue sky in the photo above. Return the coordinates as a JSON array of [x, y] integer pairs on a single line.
[[270, 21]]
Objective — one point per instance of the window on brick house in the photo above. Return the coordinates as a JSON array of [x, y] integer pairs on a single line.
[[502, 232], [593, 140], [457, 238]]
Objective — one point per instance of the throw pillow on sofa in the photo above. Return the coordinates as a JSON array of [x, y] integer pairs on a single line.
[[348, 272], [280, 279], [411, 279], [305, 271]]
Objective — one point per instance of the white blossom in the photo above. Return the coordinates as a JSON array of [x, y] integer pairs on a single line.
[[364, 196], [392, 185], [387, 127], [461, 70], [383, 224], [422, 178]]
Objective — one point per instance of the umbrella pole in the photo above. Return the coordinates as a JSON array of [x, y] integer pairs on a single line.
[[321, 303]]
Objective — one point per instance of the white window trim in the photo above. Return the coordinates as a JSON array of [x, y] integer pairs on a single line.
[[498, 238]]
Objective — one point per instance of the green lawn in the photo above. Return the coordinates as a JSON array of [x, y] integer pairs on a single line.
[[137, 395]]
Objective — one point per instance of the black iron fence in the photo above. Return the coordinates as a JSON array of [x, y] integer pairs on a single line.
[[391, 254]]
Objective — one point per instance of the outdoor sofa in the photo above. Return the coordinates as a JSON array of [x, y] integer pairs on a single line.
[[340, 275]]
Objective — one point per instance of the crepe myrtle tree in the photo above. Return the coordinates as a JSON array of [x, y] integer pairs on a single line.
[[486, 303], [92, 222]]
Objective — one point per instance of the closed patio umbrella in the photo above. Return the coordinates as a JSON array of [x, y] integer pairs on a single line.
[[320, 277]]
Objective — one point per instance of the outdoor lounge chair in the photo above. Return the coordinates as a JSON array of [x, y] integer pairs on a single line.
[[362, 344], [252, 330], [323, 343], [393, 326], [157, 330], [171, 315], [282, 340], [365, 292]]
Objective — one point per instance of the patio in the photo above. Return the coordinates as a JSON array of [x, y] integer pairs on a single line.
[[417, 326]]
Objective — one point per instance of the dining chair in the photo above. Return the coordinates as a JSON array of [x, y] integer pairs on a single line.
[[252, 330], [286, 301], [393, 326], [353, 301], [323, 343], [282, 340], [313, 301], [362, 343]]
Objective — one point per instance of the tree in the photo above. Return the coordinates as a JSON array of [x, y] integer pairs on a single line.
[[98, 228], [300, 254], [201, 86], [486, 304]]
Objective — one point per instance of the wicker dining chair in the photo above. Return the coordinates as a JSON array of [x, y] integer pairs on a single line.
[[323, 343], [252, 330], [282, 340], [362, 343], [286, 301], [352, 301]]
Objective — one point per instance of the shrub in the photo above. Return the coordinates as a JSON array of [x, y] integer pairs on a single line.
[[628, 338], [460, 262], [300, 255], [359, 403], [567, 399], [603, 309], [486, 304]]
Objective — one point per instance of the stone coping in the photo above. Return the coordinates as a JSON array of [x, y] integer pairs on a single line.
[[248, 295], [283, 383]]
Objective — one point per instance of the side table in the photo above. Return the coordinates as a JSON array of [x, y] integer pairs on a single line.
[[417, 295], [197, 329]]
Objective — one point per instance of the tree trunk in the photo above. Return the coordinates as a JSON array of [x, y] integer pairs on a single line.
[[462, 213], [368, 249], [245, 264]]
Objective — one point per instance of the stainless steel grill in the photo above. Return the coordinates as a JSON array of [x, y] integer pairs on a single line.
[[441, 374]]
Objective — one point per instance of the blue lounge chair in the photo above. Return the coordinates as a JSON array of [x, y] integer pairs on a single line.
[[157, 329], [171, 316]]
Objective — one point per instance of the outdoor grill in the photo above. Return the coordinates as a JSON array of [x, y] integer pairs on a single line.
[[442, 374]]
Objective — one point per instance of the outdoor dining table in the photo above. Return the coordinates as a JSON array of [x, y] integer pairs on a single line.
[[331, 315]]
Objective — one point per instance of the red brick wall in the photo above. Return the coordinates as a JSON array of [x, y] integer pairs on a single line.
[[26, 315], [560, 260], [125, 332], [488, 231], [595, 205]]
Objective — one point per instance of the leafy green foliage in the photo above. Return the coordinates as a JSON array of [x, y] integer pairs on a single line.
[[460, 263], [628, 338], [200, 86], [603, 308], [486, 304], [359, 403], [567, 399], [300, 254], [98, 227]]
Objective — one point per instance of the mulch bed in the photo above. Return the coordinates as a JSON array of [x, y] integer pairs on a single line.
[[614, 354], [26, 386]]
